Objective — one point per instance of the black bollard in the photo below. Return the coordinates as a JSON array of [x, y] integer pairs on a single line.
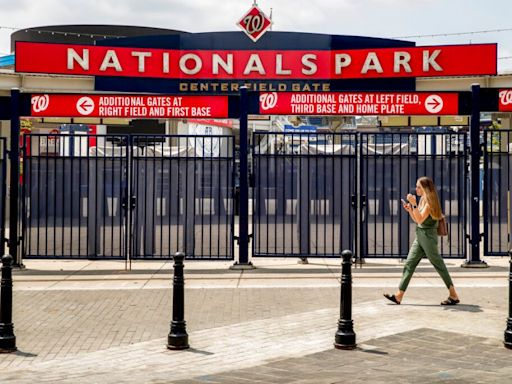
[[178, 337], [345, 337], [508, 331], [7, 338]]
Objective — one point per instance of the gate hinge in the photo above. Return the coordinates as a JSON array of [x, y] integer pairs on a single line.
[[237, 238], [133, 202], [358, 261]]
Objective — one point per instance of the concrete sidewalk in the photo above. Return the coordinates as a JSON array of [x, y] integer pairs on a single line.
[[92, 322], [268, 272]]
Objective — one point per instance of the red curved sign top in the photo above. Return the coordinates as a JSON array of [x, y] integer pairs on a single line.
[[433, 61]]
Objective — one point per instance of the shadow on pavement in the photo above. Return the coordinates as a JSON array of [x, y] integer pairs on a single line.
[[24, 354], [457, 308], [206, 353], [372, 351], [463, 308]]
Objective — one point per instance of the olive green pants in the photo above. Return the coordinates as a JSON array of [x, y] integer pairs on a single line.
[[425, 244]]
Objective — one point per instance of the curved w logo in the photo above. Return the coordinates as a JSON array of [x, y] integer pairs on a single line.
[[268, 101], [255, 23], [506, 97], [40, 103]]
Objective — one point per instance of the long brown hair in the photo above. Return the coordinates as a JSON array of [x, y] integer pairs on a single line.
[[431, 196]]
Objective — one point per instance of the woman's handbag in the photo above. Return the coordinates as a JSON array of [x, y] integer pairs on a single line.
[[442, 227]]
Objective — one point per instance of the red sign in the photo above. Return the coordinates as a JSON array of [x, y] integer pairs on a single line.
[[129, 106], [255, 23], [359, 103], [452, 60], [505, 100]]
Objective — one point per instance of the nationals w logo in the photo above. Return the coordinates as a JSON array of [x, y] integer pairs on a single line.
[[268, 101], [254, 23], [40, 103], [506, 97]]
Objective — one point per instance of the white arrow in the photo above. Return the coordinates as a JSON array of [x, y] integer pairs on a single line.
[[434, 104], [85, 105]]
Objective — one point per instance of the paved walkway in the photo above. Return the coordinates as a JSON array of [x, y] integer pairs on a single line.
[[92, 322]]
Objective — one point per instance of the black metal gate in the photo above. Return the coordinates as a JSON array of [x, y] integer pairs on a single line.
[[182, 194], [390, 164], [74, 192], [148, 196], [497, 190], [304, 193], [121, 196]]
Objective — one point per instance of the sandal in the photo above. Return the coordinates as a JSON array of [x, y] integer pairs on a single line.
[[391, 298], [450, 301]]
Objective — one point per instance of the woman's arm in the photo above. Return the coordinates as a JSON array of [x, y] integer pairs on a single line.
[[420, 216], [411, 214]]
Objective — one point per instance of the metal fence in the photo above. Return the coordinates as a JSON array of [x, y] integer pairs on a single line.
[[314, 194], [182, 190], [120, 196], [497, 190], [390, 165], [74, 193], [303, 196]]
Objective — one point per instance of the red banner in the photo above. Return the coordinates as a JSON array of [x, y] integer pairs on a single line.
[[359, 103], [129, 106], [505, 100], [450, 60]]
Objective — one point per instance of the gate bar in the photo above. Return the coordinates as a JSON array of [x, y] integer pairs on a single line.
[[243, 219], [14, 180], [475, 238]]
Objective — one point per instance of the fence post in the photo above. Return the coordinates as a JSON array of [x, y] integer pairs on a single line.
[[474, 241], [243, 218], [178, 337], [508, 331], [14, 177], [345, 337], [7, 338]]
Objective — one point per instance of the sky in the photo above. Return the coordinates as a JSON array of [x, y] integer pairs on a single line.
[[438, 22]]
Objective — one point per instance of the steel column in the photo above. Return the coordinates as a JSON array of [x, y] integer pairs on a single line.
[[243, 219], [475, 238], [14, 156]]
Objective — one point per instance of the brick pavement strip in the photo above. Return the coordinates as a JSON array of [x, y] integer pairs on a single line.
[[382, 360], [283, 341], [57, 324]]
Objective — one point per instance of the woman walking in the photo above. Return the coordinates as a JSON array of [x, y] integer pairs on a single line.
[[426, 215]]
